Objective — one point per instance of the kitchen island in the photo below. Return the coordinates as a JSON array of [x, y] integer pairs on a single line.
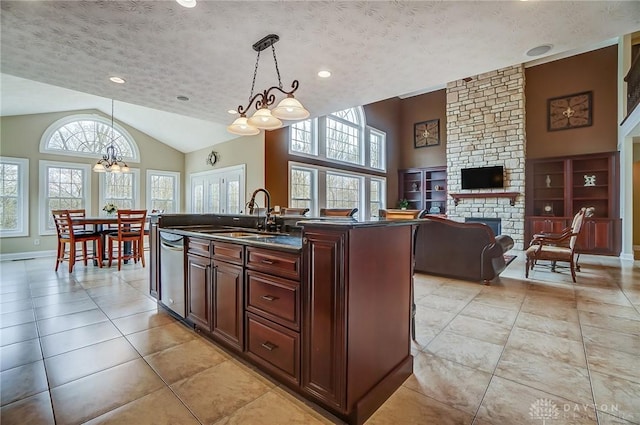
[[325, 311]]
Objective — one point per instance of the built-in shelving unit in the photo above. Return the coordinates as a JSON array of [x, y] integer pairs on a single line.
[[424, 188], [556, 189]]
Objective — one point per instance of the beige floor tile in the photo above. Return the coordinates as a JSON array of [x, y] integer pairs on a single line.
[[219, 391], [114, 311], [551, 376], [491, 313], [480, 329], [547, 325], [442, 303], [16, 318], [611, 419], [496, 298], [57, 289], [508, 403], [161, 407], [160, 338], [408, 407], [108, 390], [617, 396], [18, 305], [614, 323], [457, 291], [18, 295], [73, 339], [53, 310], [18, 333], [34, 410], [547, 308], [551, 347], [22, 381], [603, 295], [608, 338], [184, 360], [78, 363], [143, 321], [20, 353], [609, 309], [612, 362], [65, 297], [448, 382], [470, 352], [280, 411], [70, 321]]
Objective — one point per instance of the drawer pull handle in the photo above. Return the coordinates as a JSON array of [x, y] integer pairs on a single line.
[[265, 261], [269, 346], [269, 297]]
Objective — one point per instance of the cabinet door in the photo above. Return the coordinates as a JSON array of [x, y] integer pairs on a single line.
[[199, 290], [596, 237], [548, 225], [154, 260], [228, 303], [324, 358]]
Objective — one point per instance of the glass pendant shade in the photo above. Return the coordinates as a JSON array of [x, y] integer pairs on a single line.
[[242, 128], [99, 168], [290, 108], [264, 120], [115, 168]]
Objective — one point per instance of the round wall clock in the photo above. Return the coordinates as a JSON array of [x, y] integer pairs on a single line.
[[213, 158]]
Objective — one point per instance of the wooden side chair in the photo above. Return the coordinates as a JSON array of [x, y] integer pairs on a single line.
[[557, 247], [131, 225], [338, 212], [69, 233], [392, 214]]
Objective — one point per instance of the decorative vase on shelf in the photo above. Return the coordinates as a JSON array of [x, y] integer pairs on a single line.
[[548, 180]]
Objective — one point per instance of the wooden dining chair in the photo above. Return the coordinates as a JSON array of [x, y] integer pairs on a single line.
[[131, 225], [69, 233], [392, 214], [338, 212], [294, 211]]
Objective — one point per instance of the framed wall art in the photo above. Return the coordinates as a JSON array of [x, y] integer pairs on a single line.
[[571, 111], [426, 133]]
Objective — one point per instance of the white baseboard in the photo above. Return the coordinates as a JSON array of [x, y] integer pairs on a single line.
[[27, 255], [627, 257]]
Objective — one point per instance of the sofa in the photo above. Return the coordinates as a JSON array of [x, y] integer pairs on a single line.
[[468, 251]]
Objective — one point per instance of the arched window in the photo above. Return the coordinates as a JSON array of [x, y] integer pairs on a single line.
[[345, 136], [88, 136]]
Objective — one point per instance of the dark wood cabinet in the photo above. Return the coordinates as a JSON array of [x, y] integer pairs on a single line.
[[424, 188], [154, 258], [199, 290], [227, 323], [556, 189], [356, 316]]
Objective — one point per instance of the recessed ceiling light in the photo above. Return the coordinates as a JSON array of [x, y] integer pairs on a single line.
[[232, 111], [117, 80], [324, 74], [183, 98], [187, 3], [539, 50]]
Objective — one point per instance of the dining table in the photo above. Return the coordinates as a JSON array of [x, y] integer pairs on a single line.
[[101, 225]]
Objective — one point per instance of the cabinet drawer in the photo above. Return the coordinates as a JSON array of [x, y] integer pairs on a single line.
[[199, 246], [275, 347], [275, 298], [231, 253], [283, 264]]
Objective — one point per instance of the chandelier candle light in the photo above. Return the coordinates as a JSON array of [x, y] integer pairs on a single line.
[[289, 108], [111, 162]]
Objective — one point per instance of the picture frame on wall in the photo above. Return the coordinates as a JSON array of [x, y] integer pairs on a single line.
[[426, 133], [570, 111]]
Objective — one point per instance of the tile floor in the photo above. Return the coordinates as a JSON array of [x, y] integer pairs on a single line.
[[92, 347]]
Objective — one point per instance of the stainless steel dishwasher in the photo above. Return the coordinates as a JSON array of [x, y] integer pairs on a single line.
[[172, 290]]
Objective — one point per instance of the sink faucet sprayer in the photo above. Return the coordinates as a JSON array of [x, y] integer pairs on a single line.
[[268, 220]]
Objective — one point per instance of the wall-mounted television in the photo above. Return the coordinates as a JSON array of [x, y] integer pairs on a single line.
[[483, 177]]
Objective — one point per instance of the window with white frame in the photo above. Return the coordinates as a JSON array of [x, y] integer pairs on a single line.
[[341, 137], [120, 189], [63, 185], [88, 136], [14, 197], [163, 191], [302, 187], [317, 187]]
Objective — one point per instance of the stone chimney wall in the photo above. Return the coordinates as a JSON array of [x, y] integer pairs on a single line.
[[486, 127]]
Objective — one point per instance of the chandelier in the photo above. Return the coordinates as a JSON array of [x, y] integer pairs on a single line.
[[264, 118], [111, 162]]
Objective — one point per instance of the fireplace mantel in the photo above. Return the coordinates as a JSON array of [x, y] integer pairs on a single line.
[[511, 195]]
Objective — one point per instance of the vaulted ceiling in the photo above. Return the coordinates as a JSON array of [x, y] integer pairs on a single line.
[[59, 55]]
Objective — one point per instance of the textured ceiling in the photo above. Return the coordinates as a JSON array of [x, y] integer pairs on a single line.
[[375, 50]]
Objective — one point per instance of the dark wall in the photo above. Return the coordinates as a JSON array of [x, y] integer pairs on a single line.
[[416, 109], [593, 71], [382, 115]]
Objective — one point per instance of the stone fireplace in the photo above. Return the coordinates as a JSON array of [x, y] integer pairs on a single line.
[[485, 127]]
